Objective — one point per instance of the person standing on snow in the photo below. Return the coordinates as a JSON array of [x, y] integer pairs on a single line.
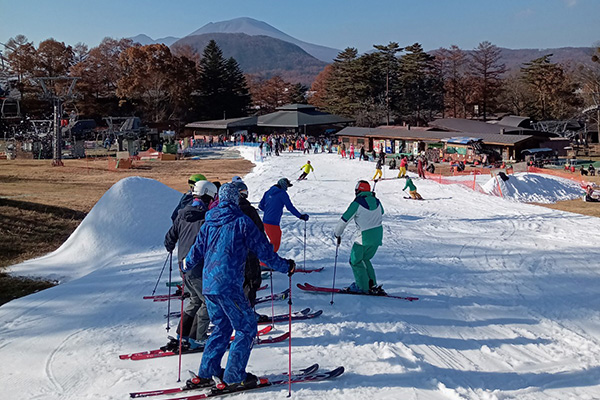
[[194, 321], [402, 169], [272, 204], [252, 278], [420, 167], [378, 172], [367, 212], [412, 189], [187, 197], [306, 168], [222, 246]]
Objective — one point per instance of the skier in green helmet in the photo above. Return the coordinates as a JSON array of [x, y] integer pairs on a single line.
[[187, 197]]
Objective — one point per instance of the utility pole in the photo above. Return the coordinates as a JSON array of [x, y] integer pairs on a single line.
[[51, 92]]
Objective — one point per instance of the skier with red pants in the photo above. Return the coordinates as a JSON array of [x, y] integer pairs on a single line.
[[272, 204], [222, 246]]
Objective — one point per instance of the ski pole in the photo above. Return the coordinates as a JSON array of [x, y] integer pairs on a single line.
[[272, 301], [304, 245], [181, 326], [290, 340], [169, 298], [160, 275], [334, 269]]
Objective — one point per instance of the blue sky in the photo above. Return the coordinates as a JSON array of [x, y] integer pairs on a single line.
[[334, 23]]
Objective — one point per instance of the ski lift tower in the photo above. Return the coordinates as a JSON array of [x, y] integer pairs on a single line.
[[57, 89]]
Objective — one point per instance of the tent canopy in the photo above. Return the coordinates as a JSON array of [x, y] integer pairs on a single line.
[[299, 115]]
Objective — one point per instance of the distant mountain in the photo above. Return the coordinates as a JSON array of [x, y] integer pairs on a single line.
[[145, 40], [253, 27], [261, 56], [516, 58]]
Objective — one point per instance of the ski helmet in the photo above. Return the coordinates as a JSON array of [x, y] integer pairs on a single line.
[[195, 178], [202, 188], [284, 183], [242, 188], [236, 179], [362, 186]]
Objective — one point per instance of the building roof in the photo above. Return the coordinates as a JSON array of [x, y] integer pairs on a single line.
[[473, 127], [223, 123], [299, 115], [426, 134], [516, 121]]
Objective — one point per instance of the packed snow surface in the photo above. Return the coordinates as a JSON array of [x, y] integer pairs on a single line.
[[509, 295]]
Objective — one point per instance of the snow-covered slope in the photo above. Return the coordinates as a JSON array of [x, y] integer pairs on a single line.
[[509, 297]]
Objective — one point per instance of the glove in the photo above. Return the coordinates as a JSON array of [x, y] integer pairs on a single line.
[[339, 240], [304, 217], [184, 267], [292, 267]]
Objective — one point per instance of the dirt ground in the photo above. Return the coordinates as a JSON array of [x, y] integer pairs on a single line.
[[41, 205]]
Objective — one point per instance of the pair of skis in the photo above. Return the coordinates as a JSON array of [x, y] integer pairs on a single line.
[[310, 288], [310, 374], [158, 353]]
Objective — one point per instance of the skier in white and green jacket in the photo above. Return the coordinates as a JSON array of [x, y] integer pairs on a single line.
[[367, 211]]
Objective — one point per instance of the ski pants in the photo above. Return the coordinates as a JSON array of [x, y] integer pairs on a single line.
[[228, 312], [195, 315], [274, 234], [415, 195], [360, 261], [378, 174], [402, 172], [303, 176]]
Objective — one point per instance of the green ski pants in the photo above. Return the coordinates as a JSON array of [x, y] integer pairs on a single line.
[[360, 260]]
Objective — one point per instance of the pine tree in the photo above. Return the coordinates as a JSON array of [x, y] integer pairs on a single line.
[[486, 73]]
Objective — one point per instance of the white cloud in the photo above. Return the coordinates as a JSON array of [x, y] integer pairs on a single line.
[[570, 3]]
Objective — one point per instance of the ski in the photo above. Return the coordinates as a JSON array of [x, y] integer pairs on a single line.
[[410, 198], [297, 316], [277, 296], [261, 332], [298, 270], [306, 371], [310, 288], [266, 381]]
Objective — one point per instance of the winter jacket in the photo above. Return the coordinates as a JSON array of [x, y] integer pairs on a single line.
[[184, 230], [403, 162], [410, 185], [272, 204], [253, 270], [379, 162], [185, 200], [223, 243], [367, 212], [307, 168]]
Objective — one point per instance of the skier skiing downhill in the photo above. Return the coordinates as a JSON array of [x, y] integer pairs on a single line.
[[306, 168], [194, 321], [412, 189], [222, 245], [187, 196], [272, 204], [367, 211]]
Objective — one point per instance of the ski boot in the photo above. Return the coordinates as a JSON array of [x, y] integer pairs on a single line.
[[195, 382], [250, 382], [377, 291], [353, 289], [173, 345]]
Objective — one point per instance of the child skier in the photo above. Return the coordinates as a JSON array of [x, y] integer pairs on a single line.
[[402, 169], [306, 168], [222, 245], [378, 172], [412, 189], [187, 197], [367, 211]]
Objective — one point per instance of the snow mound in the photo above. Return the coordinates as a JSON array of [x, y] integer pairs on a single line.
[[129, 218], [534, 188]]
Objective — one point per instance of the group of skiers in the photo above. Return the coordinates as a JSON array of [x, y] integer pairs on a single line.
[[218, 255]]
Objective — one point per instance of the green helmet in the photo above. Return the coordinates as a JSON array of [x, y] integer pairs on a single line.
[[195, 178]]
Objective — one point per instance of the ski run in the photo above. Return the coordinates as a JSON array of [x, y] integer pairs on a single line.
[[509, 294]]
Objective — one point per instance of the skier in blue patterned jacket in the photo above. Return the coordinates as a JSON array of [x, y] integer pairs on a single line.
[[223, 243]]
